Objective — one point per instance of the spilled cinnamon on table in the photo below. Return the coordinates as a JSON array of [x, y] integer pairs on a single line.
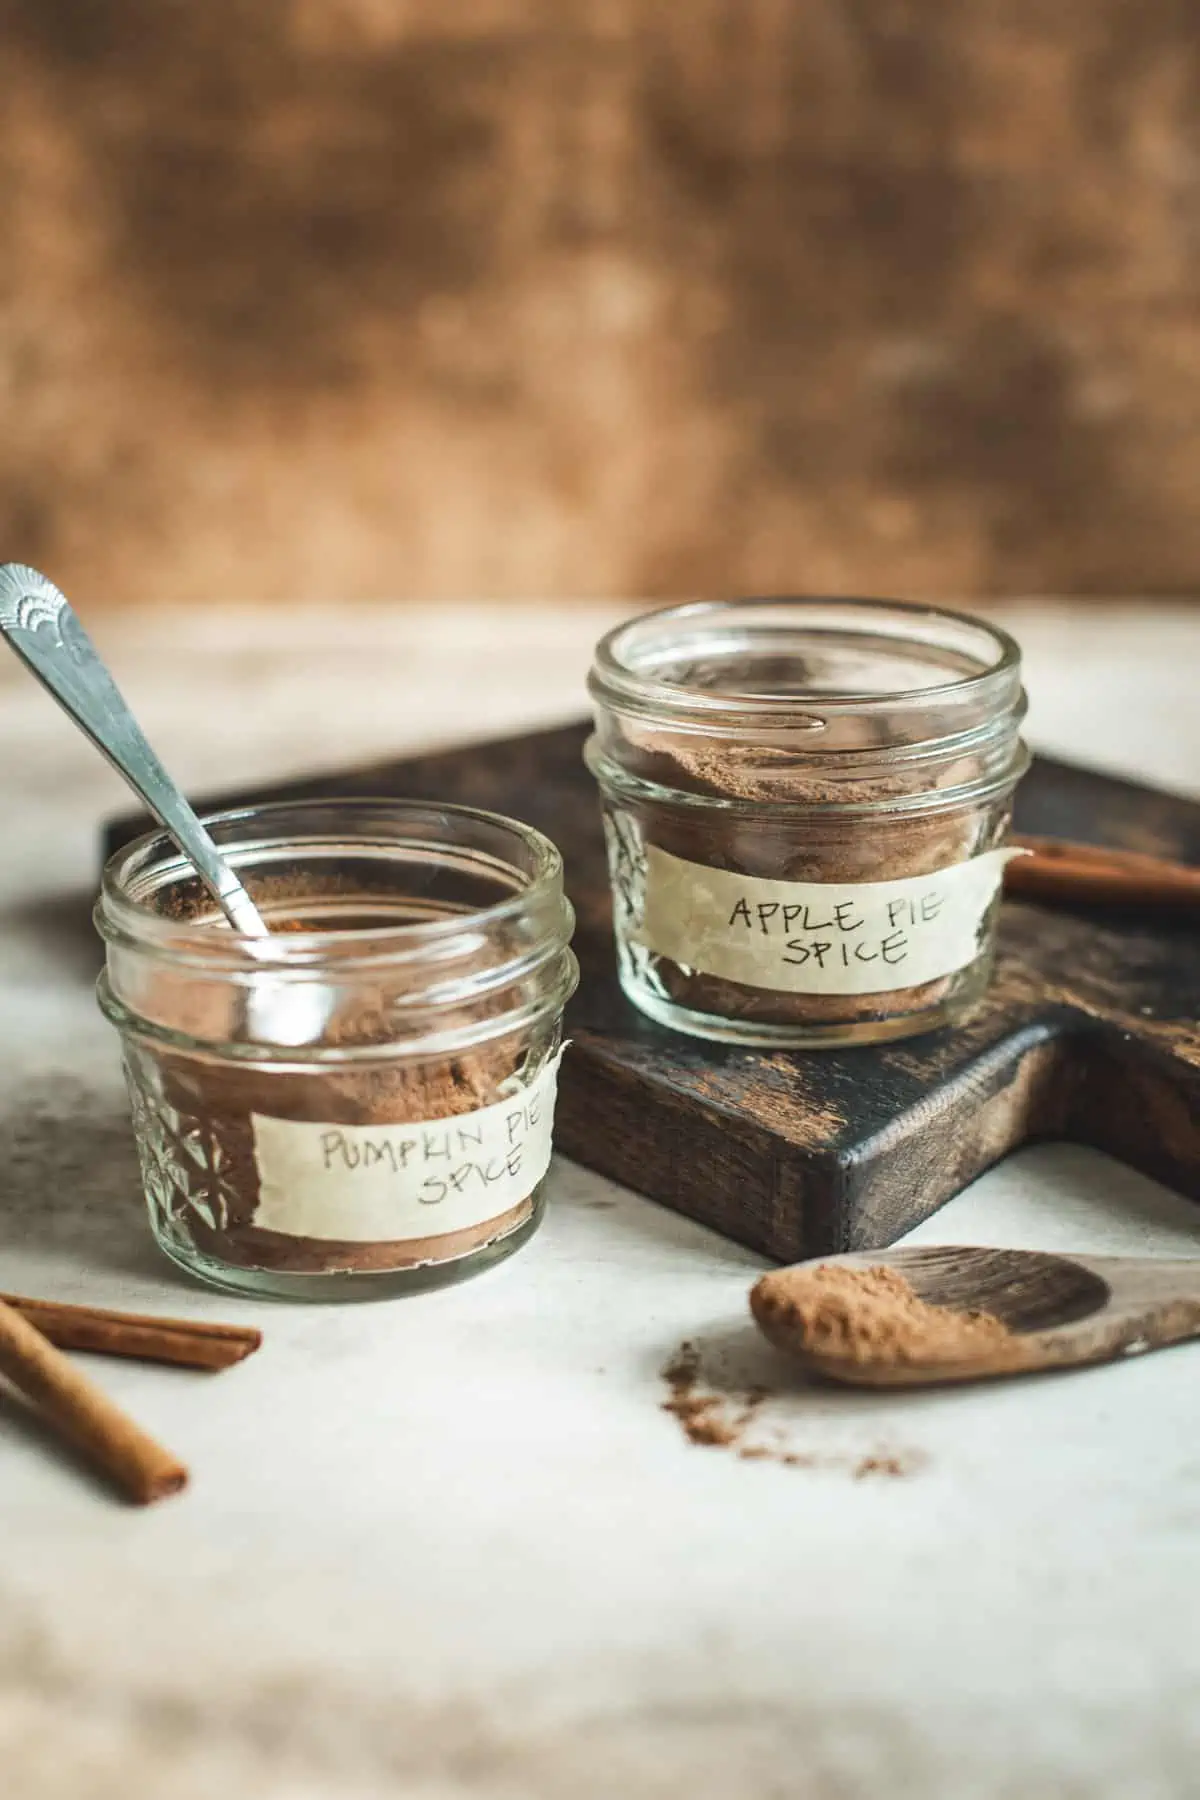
[[705, 1414], [716, 1415]]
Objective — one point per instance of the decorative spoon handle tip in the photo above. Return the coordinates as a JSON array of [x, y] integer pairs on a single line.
[[42, 628]]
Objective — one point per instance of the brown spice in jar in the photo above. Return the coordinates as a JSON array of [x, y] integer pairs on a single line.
[[870, 1315], [217, 1101], [772, 845]]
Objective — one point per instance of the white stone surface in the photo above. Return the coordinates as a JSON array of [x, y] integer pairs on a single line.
[[451, 1546]]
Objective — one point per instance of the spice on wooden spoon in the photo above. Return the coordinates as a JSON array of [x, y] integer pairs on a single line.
[[915, 1317], [85, 1416]]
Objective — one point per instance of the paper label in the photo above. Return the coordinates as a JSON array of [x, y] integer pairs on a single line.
[[379, 1183], [802, 937]]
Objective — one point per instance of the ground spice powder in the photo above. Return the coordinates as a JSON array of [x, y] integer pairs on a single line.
[[220, 1104], [210, 1104], [869, 1315], [715, 1414], [774, 840]]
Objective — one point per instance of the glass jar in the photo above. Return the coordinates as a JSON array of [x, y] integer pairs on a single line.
[[805, 803], [362, 1102]]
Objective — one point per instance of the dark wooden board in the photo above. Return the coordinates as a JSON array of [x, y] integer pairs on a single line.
[[1089, 1033]]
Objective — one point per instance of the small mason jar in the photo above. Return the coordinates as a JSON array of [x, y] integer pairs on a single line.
[[360, 1103], [805, 803]]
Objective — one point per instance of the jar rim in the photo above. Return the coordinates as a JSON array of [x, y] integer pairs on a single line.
[[614, 679], [120, 913]]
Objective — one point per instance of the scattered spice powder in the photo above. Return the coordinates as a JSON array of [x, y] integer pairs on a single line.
[[869, 1315], [706, 1415], [880, 1465], [717, 1417]]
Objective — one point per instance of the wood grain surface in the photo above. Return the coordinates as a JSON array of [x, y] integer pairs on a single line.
[[1089, 1032]]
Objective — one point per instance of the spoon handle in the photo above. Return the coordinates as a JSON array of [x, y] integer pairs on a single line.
[[42, 628]]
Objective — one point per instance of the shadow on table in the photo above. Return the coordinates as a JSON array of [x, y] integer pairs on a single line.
[[62, 925], [70, 1186]]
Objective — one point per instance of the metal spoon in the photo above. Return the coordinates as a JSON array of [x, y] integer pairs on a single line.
[[1062, 1311], [40, 625]]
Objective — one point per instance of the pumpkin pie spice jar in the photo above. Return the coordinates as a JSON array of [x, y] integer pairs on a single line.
[[362, 1102], [806, 803]]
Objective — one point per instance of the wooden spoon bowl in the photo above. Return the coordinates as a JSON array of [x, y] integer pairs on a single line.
[[1060, 1311]]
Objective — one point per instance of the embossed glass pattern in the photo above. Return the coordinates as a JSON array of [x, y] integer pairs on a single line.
[[300, 1100], [803, 800]]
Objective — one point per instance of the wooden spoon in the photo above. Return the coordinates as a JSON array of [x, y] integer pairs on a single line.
[[1061, 1311]]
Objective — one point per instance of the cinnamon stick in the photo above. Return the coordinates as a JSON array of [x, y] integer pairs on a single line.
[[1092, 874], [85, 1416], [189, 1343]]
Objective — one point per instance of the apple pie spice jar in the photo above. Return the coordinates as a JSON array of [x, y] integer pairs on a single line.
[[806, 803], [362, 1102]]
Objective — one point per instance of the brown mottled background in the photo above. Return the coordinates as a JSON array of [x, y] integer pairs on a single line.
[[320, 298]]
